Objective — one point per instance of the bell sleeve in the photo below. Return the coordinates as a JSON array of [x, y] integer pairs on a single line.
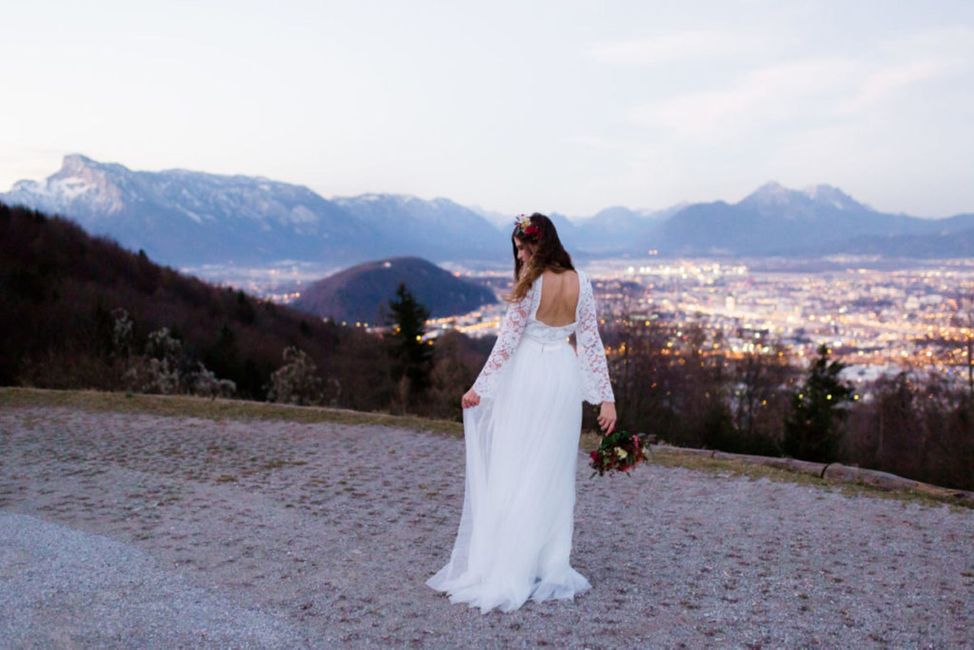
[[596, 387], [512, 327]]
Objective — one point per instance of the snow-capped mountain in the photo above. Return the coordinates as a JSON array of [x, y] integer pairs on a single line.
[[772, 196], [616, 230], [827, 195], [79, 182], [436, 227], [186, 217], [499, 220], [619, 230], [777, 220]]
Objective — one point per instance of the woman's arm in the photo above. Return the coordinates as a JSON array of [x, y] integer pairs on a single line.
[[512, 326], [597, 389]]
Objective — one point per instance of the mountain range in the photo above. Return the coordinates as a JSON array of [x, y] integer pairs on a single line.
[[187, 218], [822, 220], [184, 217]]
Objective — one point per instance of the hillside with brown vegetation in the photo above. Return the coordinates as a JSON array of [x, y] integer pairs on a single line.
[[64, 296]]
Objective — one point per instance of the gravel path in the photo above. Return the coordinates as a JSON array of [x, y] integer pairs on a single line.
[[121, 530]]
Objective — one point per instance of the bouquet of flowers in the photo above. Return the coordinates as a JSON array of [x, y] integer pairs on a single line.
[[619, 451]]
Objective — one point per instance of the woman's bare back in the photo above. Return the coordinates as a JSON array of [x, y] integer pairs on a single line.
[[559, 298]]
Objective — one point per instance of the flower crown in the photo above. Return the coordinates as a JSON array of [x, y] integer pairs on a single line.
[[527, 229]]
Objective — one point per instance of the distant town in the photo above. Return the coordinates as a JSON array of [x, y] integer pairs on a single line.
[[876, 316]]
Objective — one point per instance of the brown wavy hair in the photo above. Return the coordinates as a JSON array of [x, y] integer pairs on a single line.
[[548, 254]]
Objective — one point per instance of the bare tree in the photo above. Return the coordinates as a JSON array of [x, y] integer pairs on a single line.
[[760, 394]]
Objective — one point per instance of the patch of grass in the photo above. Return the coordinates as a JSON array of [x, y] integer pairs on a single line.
[[717, 466], [214, 409], [673, 457]]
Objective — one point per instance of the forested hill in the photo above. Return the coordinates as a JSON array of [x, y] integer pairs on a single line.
[[362, 292], [61, 296]]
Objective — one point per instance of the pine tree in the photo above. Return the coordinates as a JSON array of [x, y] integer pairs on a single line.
[[812, 428], [412, 359]]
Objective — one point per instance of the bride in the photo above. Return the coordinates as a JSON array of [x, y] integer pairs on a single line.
[[522, 421]]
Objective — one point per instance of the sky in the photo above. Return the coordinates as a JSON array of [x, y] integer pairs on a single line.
[[556, 106]]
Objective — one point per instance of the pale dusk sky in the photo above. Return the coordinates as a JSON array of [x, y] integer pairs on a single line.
[[510, 106]]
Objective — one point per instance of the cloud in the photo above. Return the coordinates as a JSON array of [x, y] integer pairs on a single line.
[[599, 143], [805, 90], [780, 91], [955, 42], [911, 60], [809, 90], [883, 83], [683, 45]]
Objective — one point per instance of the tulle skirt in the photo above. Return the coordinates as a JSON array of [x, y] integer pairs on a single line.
[[515, 533]]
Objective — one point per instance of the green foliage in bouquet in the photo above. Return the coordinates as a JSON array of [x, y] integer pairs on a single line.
[[619, 451]]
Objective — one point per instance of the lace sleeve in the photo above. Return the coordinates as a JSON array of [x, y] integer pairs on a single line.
[[512, 326], [591, 354]]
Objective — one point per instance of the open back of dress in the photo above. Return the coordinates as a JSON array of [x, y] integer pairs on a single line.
[[558, 303], [515, 534]]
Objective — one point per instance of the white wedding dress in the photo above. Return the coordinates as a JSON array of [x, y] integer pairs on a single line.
[[515, 533]]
